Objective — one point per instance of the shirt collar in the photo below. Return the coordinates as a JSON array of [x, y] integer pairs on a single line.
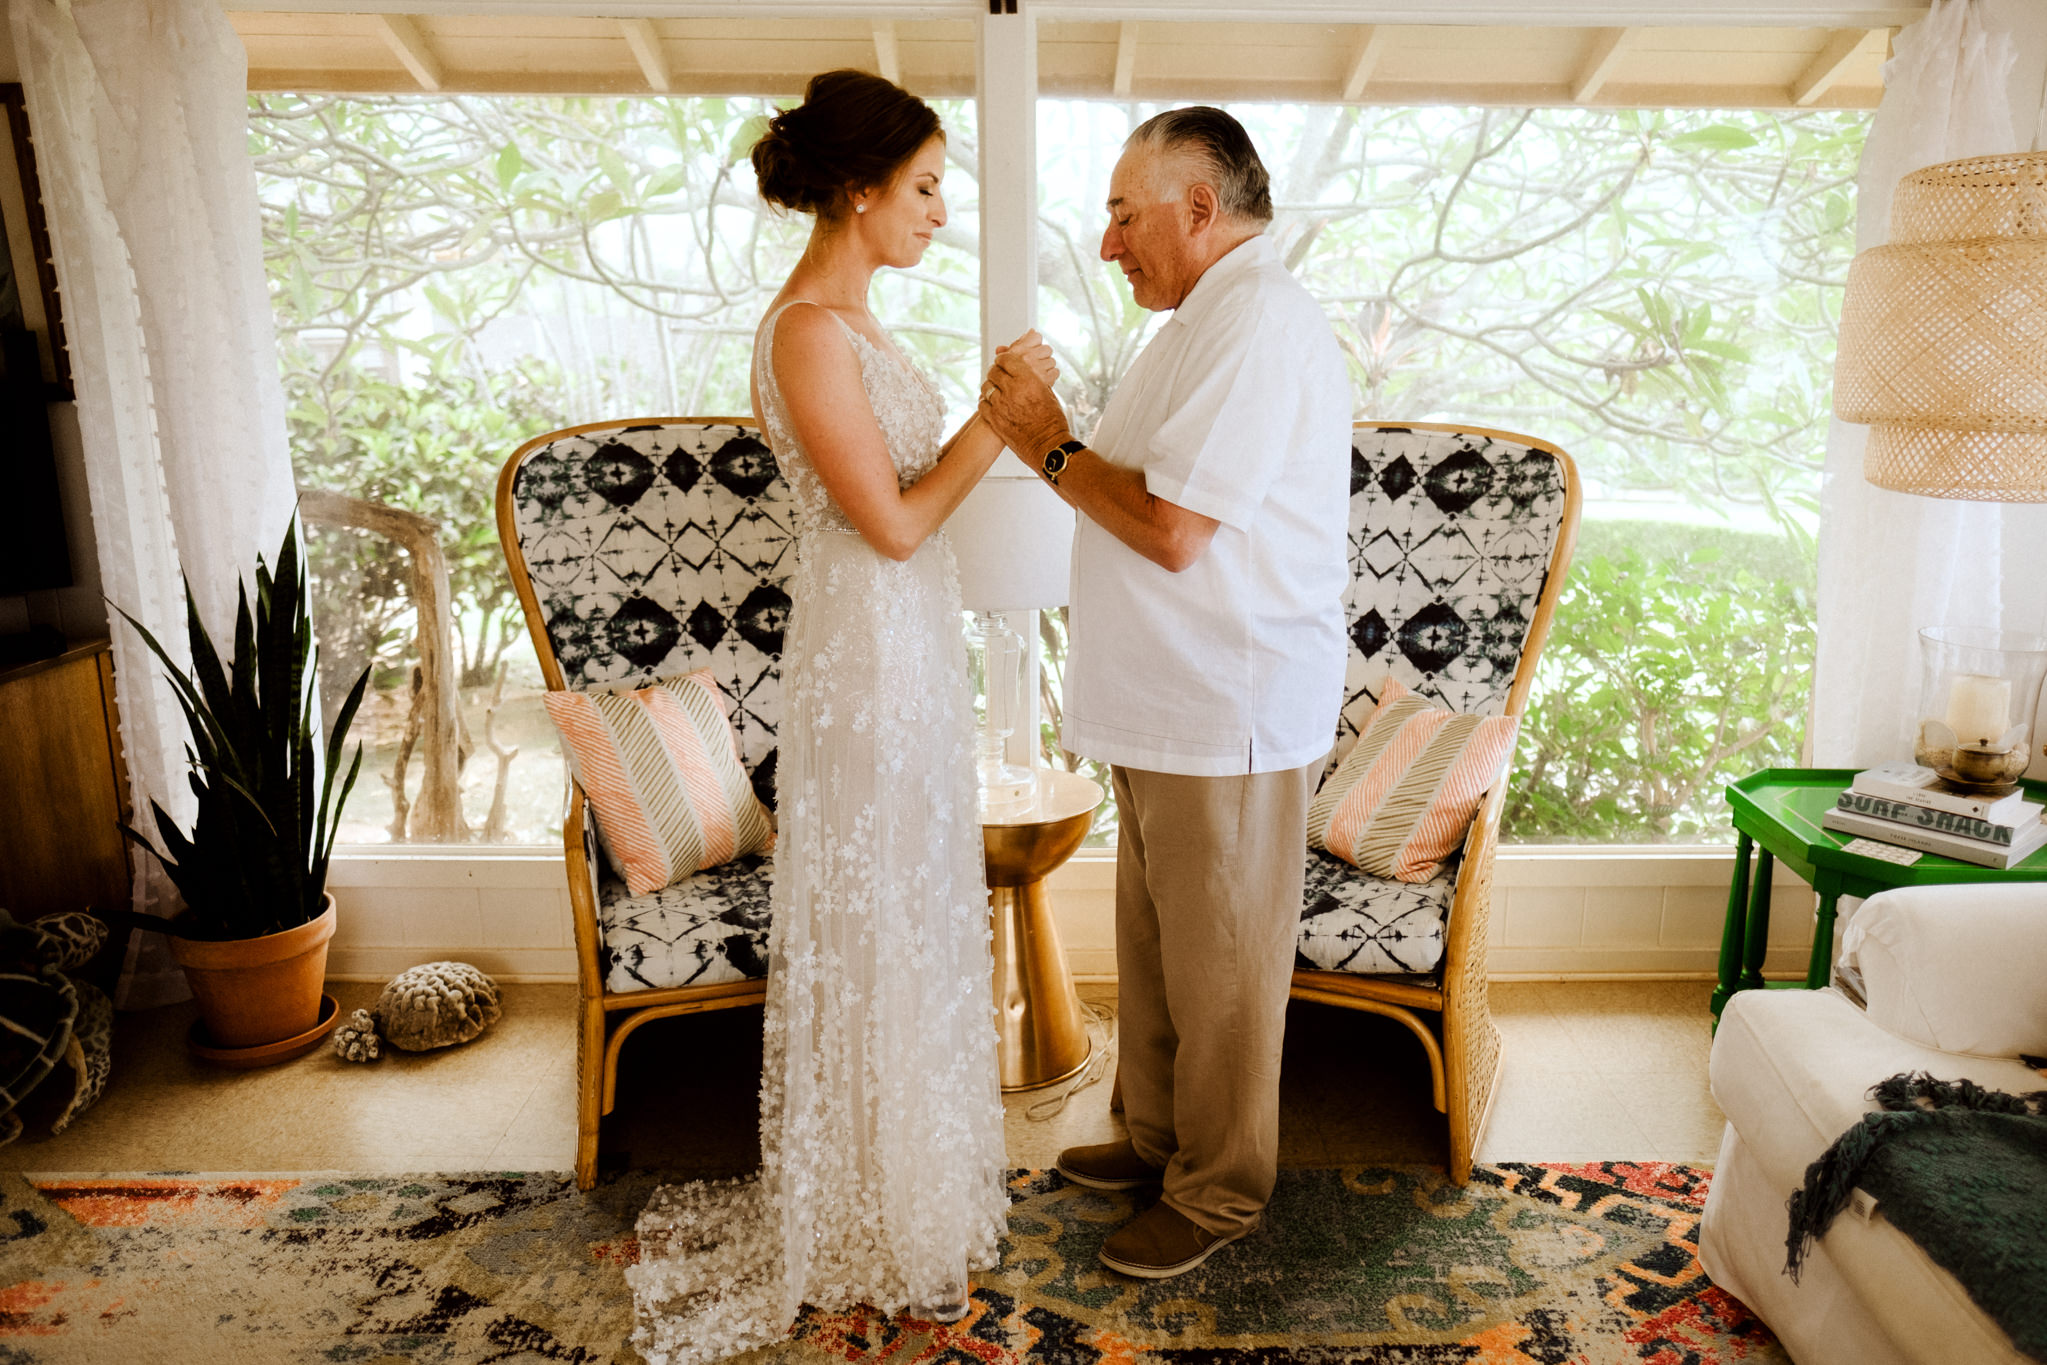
[[1246, 256]]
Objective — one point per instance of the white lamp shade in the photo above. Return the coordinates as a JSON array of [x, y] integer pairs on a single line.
[[1014, 541]]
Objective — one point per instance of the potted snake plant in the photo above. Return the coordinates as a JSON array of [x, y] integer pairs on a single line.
[[253, 935]]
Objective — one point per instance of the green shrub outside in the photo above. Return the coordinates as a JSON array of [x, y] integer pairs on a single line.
[[1681, 659]]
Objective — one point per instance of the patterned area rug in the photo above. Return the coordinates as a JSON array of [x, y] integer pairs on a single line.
[[1542, 1265]]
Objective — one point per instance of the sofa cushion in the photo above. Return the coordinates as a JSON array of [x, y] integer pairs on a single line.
[[1955, 967], [1371, 926], [1792, 1072], [700, 931]]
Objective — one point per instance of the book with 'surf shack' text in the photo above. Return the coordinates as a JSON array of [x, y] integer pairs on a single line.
[[2027, 836], [1927, 817]]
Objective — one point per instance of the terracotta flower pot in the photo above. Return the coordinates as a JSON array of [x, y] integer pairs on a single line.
[[253, 991]]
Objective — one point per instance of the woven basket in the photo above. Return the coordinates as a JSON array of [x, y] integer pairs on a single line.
[[1944, 334]]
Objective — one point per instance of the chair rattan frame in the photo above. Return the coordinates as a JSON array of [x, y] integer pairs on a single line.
[[1454, 1021], [604, 1019]]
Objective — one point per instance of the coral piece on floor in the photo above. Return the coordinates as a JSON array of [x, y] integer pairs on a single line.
[[436, 1004], [1528, 1263], [356, 1039]]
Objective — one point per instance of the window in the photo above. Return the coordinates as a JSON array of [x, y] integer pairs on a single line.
[[1655, 292], [454, 276]]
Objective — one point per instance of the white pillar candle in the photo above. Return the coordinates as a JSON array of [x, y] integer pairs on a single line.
[[1978, 707]]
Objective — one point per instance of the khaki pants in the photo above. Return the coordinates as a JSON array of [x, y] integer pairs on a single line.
[[1208, 903]]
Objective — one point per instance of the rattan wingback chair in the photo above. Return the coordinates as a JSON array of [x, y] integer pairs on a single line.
[[1459, 541], [643, 549]]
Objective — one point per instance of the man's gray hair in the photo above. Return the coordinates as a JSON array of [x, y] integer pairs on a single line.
[[1219, 152]]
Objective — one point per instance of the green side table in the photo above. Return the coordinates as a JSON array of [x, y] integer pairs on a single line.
[[1780, 809]]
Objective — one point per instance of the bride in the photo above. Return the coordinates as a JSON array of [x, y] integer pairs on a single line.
[[881, 1117]]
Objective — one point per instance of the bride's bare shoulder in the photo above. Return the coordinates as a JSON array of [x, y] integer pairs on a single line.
[[808, 340]]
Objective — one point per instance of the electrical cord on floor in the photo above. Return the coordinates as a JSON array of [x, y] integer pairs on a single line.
[[1100, 1022]]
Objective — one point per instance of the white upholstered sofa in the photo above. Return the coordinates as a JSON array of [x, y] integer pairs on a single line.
[[1953, 983]]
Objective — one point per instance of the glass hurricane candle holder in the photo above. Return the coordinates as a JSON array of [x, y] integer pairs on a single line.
[[995, 660], [1978, 691]]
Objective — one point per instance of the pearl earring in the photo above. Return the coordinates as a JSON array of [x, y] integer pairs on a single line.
[[860, 208]]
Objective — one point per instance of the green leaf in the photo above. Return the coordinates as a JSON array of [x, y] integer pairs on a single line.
[[743, 137], [666, 181], [303, 296], [1718, 137], [1725, 350], [615, 170], [509, 164]]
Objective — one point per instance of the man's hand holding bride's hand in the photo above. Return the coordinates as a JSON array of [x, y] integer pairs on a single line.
[[1034, 351], [1017, 399]]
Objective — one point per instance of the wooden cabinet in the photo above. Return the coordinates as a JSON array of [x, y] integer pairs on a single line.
[[63, 787]]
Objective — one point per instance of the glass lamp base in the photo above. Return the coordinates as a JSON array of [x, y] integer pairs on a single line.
[[1006, 789]]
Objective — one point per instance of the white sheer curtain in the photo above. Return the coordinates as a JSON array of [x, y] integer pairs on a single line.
[[138, 112], [1891, 563]]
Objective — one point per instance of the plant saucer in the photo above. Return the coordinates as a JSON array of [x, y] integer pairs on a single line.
[[264, 1054]]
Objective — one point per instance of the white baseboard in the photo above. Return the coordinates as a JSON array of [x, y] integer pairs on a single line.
[[1558, 912]]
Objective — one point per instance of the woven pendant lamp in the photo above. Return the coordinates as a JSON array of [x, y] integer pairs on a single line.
[[1944, 334]]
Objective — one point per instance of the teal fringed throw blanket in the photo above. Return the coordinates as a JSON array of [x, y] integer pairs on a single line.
[[1960, 1170]]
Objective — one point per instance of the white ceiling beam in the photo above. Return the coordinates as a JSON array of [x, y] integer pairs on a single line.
[[1865, 14], [405, 40], [887, 62], [645, 42], [1824, 70], [1371, 47], [1542, 13], [1609, 45], [1126, 58]]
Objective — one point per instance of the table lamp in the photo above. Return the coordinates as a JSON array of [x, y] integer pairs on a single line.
[[1013, 538], [1943, 355]]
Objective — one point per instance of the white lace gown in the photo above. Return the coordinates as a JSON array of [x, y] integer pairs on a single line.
[[881, 1114]]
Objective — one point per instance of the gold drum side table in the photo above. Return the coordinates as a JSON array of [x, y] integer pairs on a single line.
[[1037, 1011]]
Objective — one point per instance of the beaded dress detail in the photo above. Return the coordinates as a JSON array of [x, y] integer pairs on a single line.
[[881, 1115]]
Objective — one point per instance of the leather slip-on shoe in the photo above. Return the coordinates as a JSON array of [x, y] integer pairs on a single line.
[[1108, 1166], [1160, 1243]]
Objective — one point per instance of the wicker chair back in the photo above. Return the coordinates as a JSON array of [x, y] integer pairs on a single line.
[[656, 548]]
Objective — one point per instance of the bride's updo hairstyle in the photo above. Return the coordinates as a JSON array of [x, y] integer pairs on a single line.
[[852, 131]]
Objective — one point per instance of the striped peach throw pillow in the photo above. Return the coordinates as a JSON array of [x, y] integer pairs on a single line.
[[661, 767], [1402, 799]]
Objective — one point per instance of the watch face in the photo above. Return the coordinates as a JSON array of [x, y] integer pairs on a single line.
[[1055, 460]]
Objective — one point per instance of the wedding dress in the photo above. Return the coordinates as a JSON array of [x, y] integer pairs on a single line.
[[881, 1115]]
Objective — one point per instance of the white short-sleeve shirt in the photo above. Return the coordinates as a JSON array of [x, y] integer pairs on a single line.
[[1239, 409]]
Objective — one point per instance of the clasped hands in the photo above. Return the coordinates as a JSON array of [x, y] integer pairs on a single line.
[[1017, 401]]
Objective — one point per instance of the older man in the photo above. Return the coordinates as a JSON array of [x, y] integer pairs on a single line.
[[1207, 664]]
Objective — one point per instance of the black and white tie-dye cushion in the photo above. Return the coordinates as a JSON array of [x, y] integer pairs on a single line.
[[1450, 541], [1371, 926], [704, 930], [660, 549]]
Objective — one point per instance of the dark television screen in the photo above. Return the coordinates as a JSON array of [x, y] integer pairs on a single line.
[[33, 553]]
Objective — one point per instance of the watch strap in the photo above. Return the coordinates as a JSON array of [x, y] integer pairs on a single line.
[[1053, 462]]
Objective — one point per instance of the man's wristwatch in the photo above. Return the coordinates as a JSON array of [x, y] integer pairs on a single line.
[[1054, 463]]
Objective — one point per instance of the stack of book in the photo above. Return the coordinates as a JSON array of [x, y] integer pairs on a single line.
[[1905, 804]]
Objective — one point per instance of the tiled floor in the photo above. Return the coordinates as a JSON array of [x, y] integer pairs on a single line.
[[1593, 1070]]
